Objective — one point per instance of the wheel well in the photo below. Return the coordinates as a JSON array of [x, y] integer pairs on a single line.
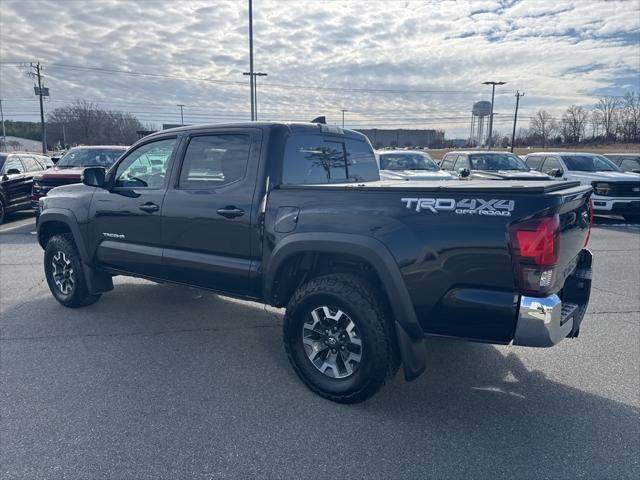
[[49, 229], [302, 267]]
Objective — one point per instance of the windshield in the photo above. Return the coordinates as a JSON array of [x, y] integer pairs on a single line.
[[497, 161], [90, 157], [407, 161], [589, 163]]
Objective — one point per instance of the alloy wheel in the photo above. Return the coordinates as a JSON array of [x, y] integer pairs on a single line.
[[63, 275], [332, 342]]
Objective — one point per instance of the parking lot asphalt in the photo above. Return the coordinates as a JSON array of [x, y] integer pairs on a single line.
[[158, 381]]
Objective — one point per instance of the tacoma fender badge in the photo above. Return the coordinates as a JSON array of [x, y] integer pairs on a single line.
[[113, 235], [466, 206]]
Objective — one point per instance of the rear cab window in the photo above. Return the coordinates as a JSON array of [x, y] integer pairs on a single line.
[[316, 159]]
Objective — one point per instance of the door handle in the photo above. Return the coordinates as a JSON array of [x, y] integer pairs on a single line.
[[230, 212], [149, 207]]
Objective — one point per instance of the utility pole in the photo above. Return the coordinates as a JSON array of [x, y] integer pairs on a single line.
[[493, 92], [4, 133], [515, 118], [254, 84], [41, 92], [251, 76], [181, 114], [343, 110]]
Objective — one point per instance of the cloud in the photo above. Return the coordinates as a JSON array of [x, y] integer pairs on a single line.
[[559, 52]]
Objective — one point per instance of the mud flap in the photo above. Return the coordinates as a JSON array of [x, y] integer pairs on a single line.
[[413, 352], [98, 281]]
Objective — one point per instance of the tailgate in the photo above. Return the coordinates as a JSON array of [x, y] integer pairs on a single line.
[[575, 227]]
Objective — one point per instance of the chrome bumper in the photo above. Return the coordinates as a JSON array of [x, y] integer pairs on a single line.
[[543, 322]]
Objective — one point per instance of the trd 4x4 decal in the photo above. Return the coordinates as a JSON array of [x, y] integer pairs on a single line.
[[466, 206]]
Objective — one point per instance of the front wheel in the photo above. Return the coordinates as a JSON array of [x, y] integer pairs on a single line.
[[632, 218], [63, 270], [338, 338]]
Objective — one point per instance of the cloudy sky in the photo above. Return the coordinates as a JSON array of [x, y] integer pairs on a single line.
[[391, 64]]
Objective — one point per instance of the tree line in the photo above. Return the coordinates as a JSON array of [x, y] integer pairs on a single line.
[[612, 120], [81, 123]]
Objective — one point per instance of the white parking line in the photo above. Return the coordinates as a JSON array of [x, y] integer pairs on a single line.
[[18, 224]]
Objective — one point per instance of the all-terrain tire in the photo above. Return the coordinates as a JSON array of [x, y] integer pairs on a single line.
[[358, 299], [71, 291]]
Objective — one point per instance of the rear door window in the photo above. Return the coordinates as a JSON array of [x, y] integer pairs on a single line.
[[212, 161], [319, 159]]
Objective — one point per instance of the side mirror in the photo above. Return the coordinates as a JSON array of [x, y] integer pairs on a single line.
[[464, 172], [94, 177], [13, 171], [556, 172]]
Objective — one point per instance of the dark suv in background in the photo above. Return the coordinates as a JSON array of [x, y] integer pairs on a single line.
[[70, 167], [17, 170]]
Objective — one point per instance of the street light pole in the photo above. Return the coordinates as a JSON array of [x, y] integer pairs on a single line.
[[181, 113], [254, 84], [515, 118], [4, 133], [493, 92], [251, 77], [343, 110]]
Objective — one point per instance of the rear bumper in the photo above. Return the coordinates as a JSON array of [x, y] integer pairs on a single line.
[[616, 205], [545, 321]]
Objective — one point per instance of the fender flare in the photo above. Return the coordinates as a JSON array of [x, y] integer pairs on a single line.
[[409, 332], [67, 217]]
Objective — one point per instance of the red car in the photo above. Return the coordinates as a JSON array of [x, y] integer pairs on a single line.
[[69, 168]]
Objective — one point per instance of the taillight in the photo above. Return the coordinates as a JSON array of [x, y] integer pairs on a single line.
[[535, 246]]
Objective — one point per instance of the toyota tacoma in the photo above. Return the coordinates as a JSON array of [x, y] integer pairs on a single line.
[[295, 216]]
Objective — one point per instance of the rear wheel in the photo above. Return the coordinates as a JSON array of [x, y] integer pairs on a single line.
[[63, 270], [338, 338], [632, 218]]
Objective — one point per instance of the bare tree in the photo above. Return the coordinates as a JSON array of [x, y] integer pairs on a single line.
[[573, 123], [630, 117], [86, 123], [608, 109], [543, 127]]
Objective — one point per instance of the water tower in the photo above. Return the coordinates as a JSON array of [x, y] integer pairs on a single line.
[[479, 123]]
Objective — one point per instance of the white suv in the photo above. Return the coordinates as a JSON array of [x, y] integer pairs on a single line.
[[615, 192]]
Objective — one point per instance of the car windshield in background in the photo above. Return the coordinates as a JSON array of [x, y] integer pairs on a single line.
[[407, 161], [90, 157], [589, 163], [497, 161]]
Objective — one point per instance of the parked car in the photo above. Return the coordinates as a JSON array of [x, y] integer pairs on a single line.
[[295, 216], [410, 165], [487, 165], [17, 170], [629, 162], [615, 191], [70, 167]]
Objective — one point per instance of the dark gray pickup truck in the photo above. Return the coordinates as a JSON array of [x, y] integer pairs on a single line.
[[295, 216]]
